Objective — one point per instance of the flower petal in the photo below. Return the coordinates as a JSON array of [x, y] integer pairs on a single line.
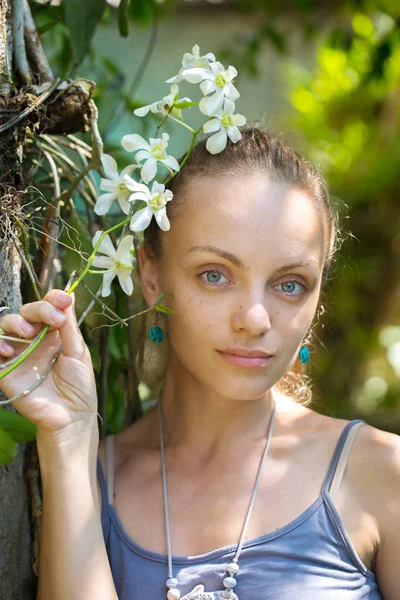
[[128, 170], [210, 56], [212, 125], [124, 250], [162, 219], [103, 262], [141, 219], [208, 86], [234, 134], [138, 196], [106, 246], [125, 281], [149, 170], [229, 107], [239, 120], [232, 72], [231, 92], [212, 104], [104, 202], [157, 188], [134, 141], [204, 110], [107, 279], [171, 162], [135, 186], [143, 155], [196, 75], [109, 185], [142, 112], [217, 142], [217, 67], [109, 166], [124, 203]]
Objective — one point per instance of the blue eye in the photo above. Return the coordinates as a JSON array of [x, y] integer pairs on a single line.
[[213, 277], [290, 287]]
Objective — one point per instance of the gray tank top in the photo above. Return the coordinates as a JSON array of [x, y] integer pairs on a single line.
[[310, 558]]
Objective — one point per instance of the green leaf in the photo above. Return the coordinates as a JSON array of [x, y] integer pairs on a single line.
[[123, 17], [164, 309], [47, 26], [8, 447], [17, 426], [142, 11], [82, 18], [185, 104]]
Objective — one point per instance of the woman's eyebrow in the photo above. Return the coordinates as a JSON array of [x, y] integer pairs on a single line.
[[238, 263], [227, 255]]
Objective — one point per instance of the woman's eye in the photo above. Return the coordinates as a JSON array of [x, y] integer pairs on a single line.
[[212, 276], [289, 288]]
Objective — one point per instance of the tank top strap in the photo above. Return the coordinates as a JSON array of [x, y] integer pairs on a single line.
[[110, 467], [340, 457]]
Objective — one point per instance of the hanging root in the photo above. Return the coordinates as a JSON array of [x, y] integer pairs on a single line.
[[37, 57]]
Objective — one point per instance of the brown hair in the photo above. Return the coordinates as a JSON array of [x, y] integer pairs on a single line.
[[261, 152]]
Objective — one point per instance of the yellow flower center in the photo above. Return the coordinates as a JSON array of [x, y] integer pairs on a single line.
[[158, 151], [227, 121], [157, 201], [122, 187], [122, 266], [222, 79]]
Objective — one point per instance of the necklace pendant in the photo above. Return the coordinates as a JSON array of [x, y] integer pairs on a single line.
[[198, 593]]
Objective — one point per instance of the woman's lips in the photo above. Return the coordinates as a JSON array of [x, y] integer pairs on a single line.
[[246, 361]]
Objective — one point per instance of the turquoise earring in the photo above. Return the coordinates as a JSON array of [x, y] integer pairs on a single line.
[[156, 334], [304, 354]]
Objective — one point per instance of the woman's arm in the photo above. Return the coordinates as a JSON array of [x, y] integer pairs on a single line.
[[376, 470], [73, 559]]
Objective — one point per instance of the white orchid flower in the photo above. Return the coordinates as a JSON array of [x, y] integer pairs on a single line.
[[190, 61], [156, 201], [226, 124], [114, 185], [163, 106], [152, 154], [215, 79], [118, 262]]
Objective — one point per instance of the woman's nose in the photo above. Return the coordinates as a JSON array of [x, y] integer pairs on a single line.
[[254, 319]]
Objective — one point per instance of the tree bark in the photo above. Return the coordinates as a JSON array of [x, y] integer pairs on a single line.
[[17, 578]]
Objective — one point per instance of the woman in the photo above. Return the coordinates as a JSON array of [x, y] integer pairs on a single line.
[[251, 241]]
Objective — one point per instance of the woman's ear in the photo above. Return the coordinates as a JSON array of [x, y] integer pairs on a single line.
[[148, 276]]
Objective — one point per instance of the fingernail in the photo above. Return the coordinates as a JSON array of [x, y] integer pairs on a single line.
[[63, 298], [58, 317], [7, 347], [26, 328]]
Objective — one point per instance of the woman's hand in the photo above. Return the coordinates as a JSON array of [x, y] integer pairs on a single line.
[[66, 400]]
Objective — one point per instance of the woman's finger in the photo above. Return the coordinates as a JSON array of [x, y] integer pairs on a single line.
[[42, 312], [70, 334], [15, 324]]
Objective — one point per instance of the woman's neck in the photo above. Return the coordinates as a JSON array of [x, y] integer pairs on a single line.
[[199, 421]]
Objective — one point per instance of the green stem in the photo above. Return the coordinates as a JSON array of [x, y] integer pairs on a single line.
[[192, 131], [35, 343], [194, 136]]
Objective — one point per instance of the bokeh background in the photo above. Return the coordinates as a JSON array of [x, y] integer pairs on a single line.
[[325, 75]]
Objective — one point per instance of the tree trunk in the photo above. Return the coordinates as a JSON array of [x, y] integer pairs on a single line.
[[30, 100], [17, 578]]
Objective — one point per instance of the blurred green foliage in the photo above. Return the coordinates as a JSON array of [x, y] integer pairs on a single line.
[[348, 113]]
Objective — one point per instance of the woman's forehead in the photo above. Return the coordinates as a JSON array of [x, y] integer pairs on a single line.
[[248, 213]]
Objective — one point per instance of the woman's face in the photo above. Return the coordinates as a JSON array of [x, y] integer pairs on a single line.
[[244, 261]]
